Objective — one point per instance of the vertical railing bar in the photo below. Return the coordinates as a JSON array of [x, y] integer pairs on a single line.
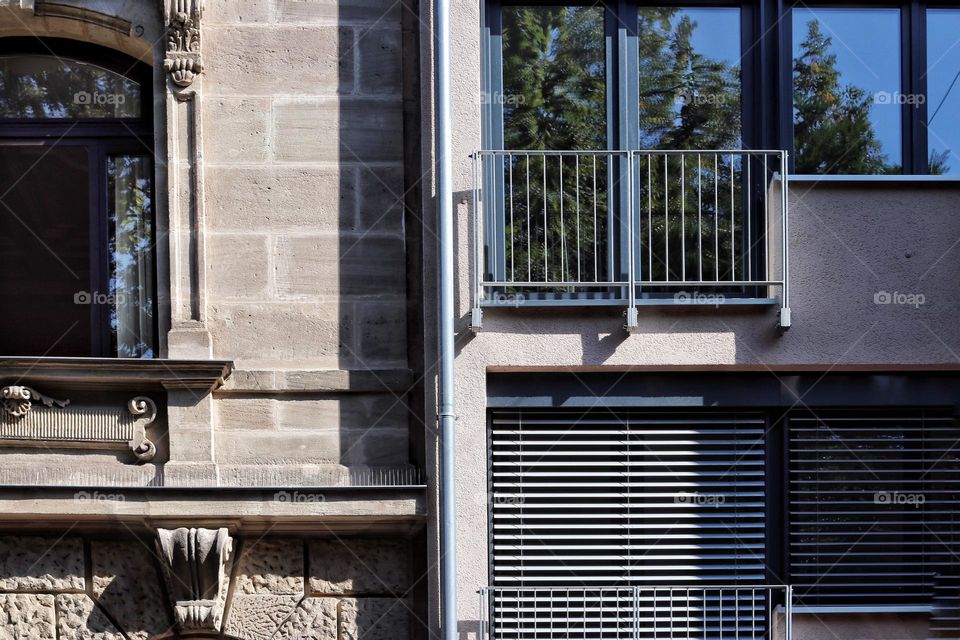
[[666, 214], [699, 220], [789, 597], [482, 634], [577, 179], [513, 229], [716, 216], [785, 186], [563, 228], [720, 610], [529, 228], [546, 268], [683, 217], [766, 213], [753, 614], [733, 225], [631, 267], [596, 236], [477, 241], [650, 216], [749, 162], [705, 614], [670, 600], [736, 612]]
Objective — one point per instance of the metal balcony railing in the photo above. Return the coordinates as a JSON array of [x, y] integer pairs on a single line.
[[630, 228], [637, 613]]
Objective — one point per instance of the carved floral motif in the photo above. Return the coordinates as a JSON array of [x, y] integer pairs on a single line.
[[182, 60], [18, 400]]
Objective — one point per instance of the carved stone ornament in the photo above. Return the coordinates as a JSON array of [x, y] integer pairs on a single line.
[[52, 423], [17, 400], [182, 60], [196, 567]]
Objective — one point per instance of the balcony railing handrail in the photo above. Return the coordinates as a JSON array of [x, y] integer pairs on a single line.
[[601, 217]]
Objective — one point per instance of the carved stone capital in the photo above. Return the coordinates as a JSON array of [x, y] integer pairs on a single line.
[[183, 61], [196, 567], [18, 400]]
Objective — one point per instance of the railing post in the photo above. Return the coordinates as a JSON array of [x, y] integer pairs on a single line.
[[476, 313], [483, 632], [788, 613], [631, 319], [785, 319]]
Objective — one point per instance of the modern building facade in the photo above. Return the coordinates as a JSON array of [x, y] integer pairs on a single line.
[[706, 372], [211, 362]]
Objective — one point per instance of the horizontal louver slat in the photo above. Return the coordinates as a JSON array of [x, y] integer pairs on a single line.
[[874, 502], [632, 499]]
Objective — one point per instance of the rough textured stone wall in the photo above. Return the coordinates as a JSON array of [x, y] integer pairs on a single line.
[[60, 588]]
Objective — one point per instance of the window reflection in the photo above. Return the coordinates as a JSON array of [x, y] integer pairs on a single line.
[[689, 78], [847, 98], [132, 286], [554, 85], [943, 94], [40, 86]]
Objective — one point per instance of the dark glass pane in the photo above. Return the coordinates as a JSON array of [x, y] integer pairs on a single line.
[[846, 91], [39, 86], [132, 287], [554, 78], [943, 92], [45, 251], [689, 78]]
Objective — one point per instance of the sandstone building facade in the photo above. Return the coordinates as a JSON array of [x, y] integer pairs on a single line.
[[212, 418]]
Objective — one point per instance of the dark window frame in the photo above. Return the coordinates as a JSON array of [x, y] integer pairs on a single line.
[[102, 137]]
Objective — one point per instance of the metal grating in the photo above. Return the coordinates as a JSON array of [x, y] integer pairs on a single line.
[[874, 508], [603, 500]]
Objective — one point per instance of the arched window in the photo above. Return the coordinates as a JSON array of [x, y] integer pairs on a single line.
[[77, 232]]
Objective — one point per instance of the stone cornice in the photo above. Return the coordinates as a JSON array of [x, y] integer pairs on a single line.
[[115, 374]]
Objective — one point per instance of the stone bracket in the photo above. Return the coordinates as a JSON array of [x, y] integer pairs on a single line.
[[57, 424], [196, 567]]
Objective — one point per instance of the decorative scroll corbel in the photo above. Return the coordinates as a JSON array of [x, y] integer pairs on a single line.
[[196, 567], [183, 61], [18, 400]]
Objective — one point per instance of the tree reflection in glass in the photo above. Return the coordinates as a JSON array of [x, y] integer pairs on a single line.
[[846, 91], [689, 78], [42, 86], [132, 284]]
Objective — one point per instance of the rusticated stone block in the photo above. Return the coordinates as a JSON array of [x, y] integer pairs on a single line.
[[271, 566], [359, 566], [337, 130], [27, 617], [78, 618], [257, 617], [127, 584], [374, 619], [41, 564], [314, 619]]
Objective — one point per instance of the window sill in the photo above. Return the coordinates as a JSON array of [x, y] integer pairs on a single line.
[[852, 609], [104, 374], [803, 177]]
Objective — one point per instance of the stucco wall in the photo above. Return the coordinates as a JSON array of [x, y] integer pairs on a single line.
[[849, 243]]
